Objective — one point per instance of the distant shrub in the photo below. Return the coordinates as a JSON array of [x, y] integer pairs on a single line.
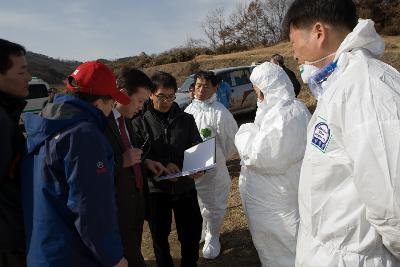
[[385, 14], [194, 66], [232, 48], [180, 54]]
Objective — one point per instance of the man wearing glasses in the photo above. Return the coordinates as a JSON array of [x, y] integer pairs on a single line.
[[171, 132]]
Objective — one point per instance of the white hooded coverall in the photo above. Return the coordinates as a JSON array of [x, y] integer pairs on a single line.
[[349, 189], [271, 151], [214, 120]]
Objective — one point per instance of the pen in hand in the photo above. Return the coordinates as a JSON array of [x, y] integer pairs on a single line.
[[145, 142]]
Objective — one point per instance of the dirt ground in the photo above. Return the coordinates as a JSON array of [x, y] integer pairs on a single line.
[[237, 247]]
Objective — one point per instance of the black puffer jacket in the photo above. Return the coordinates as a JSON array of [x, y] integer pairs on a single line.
[[12, 143], [169, 135], [293, 79]]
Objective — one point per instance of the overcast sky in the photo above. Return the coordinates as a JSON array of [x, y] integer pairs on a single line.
[[92, 29]]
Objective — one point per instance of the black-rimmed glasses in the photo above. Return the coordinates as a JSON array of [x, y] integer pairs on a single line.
[[165, 98]]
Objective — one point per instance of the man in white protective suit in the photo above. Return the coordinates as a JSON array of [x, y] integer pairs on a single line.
[[349, 198], [213, 120], [271, 151]]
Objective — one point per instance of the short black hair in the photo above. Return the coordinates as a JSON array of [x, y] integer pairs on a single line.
[[8, 49], [207, 75], [163, 79], [279, 59], [132, 79], [303, 13]]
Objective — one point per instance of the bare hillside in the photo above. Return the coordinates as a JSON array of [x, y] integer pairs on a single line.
[[206, 62]]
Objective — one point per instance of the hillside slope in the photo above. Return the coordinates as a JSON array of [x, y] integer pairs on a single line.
[[206, 62], [52, 70], [55, 71]]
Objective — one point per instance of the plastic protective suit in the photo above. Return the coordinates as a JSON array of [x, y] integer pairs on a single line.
[[214, 120], [349, 198], [271, 150]]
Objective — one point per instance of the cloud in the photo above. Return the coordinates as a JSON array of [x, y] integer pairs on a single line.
[[18, 20], [90, 29]]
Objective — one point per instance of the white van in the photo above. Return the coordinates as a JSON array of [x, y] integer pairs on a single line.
[[38, 94]]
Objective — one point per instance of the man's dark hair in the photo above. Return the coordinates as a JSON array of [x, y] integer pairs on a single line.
[[279, 59], [207, 75], [132, 79], [303, 13], [163, 79], [8, 49]]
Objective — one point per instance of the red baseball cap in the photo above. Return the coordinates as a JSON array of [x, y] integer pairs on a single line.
[[96, 78]]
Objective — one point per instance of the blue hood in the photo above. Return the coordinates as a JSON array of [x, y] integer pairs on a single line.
[[65, 112]]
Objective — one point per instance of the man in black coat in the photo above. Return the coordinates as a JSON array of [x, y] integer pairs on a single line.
[[278, 60], [171, 132], [14, 79], [129, 184]]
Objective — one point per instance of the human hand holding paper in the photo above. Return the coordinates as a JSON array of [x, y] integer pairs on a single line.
[[155, 167], [197, 175], [196, 159], [173, 168]]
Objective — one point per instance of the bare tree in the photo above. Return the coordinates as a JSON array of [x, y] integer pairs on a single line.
[[274, 13], [214, 26], [245, 22], [254, 16], [258, 22], [195, 43], [238, 24]]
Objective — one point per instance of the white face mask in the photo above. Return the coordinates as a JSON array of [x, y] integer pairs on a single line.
[[307, 70]]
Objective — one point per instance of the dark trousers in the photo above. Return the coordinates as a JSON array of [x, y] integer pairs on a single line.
[[131, 212], [133, 242], [12, 259], [188, 222]]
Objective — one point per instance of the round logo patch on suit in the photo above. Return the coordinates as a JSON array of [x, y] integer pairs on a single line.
[[100, 164], [101, 168], [321, 136], [207, 132]]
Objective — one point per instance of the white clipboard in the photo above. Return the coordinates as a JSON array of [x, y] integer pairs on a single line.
[[200, 157]]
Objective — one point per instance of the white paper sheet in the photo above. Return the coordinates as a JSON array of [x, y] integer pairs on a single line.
[[198, 158]]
